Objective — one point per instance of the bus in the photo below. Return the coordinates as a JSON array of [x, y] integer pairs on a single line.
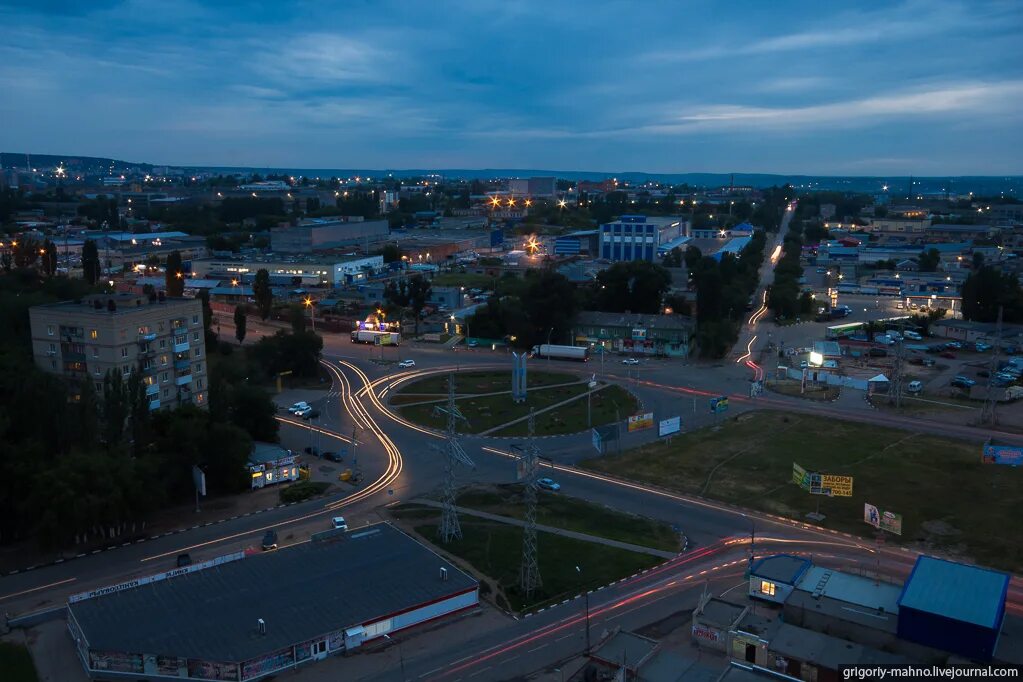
[[843, 331]]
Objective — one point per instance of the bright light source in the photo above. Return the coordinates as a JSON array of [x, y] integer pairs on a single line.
[[816, 359]]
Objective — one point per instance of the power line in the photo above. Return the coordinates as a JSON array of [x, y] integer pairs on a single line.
[[450, 528], [987, 414], [529, 574]]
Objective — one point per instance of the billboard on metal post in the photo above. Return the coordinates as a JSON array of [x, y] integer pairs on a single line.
[[1002, 454], [883, 520], [638, 422], [800, 476], [837, 486], [719, 404], [199, 479], [666, 427]]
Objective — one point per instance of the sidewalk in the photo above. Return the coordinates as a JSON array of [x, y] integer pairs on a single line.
[[551, 529]]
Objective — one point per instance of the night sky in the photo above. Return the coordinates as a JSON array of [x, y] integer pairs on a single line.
[[864, 88]]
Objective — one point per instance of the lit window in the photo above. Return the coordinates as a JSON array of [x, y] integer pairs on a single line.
[[767, 588], [93, 334]]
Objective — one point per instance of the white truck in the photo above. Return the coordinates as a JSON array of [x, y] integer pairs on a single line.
[[545, 350], [386, 338]]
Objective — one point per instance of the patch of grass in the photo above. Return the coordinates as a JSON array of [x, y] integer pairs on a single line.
[[495, 550], [490, 411], [303, 490], [571, 418], [813, 391], [16, 663], [483, 382], [949, 500], [913, 405], [469, 280], [570, 513]]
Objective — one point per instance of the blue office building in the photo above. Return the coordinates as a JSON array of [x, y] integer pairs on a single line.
[[631, 237]]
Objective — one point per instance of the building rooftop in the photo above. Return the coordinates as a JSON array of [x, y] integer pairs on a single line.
[[124, 303], [625, 647], [266, 452], [301, 591], [722, 611], [827, 651], [969, 594], [851, 589], [298, 259], [744, 672], [781, 568], [594, 317]]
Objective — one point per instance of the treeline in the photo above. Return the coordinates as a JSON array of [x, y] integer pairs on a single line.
[[786, 299], [81, 466]]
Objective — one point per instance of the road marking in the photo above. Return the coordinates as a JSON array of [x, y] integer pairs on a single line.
[[481, 671], [36, 589], [542, 646]]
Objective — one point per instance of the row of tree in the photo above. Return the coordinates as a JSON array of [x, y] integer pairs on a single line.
[[787, 298]]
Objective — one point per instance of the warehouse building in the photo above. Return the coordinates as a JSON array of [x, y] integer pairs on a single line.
[[321, 234], [954, 607], [244, 617]]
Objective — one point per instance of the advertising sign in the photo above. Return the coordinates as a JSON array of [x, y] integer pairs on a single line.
[[707, 633], [1002, 454], [145, 580], [666, 427], [883, 520], [836, 486], [719, 404], [639, 335], [199, 479], [638, 422], [597, 442], [800, 476]]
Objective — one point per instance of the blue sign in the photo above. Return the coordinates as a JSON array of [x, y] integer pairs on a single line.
[[719, 404]]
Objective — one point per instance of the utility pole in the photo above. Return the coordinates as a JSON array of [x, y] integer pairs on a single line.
[[587, 597], [987, 414], [450, 529], [529, 573], [897, 372]]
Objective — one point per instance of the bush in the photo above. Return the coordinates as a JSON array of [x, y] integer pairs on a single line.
[[297, 492]]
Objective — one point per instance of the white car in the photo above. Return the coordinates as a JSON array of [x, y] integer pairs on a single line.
[[339, 523], [301, 405], [307, 410], [630, 361], [405, 364]]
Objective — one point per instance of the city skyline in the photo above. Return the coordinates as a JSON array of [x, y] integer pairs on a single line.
[[905, 88]]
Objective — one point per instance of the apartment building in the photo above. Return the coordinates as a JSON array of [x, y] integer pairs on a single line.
[[162, 338]]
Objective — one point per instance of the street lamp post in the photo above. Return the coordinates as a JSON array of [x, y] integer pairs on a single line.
[[312, 316], [586, 596], [549, 348], [401, 655]]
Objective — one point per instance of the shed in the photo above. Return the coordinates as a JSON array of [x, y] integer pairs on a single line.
[[952, 606], [773, 577]]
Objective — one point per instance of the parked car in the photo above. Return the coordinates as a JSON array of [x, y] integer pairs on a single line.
[[269, 540], [301, 405], [803, 364], [549, 484], [630, 361], [928, 362], [473, 344], [915, 386], [982, 347], [913, 336], [184, 560], [339, 523], [303, 411], [405, 364], [954, 344], [331, 456], [963, 381]]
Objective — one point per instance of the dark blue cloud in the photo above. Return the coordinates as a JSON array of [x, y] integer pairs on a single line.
[[925, 87]]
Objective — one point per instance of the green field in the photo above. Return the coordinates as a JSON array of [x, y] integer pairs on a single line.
[[494, 550], [571, 418], [16, 663], [813, 391], [469, 280], [481, 382], [949, 500], [490, 411], [570, 513]]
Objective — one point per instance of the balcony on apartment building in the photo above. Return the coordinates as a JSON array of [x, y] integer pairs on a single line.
[[183, 379], [154, 404], [181, 344]]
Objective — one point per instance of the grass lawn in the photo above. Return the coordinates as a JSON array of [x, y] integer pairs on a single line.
[[482, 382], [570, 513], [913, 405], [572, 417], [495, 550], [469, 280], [948, 499], [813, 391], [490, 411], [16, 663]]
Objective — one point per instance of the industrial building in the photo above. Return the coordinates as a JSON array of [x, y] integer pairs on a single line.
[[665, 335], [247, 616], [322, 234], [631, 237], [161, 338], [310, 271]]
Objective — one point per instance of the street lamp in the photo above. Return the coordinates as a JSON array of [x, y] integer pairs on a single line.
[[401, 655], [312, 317], [586, 595]]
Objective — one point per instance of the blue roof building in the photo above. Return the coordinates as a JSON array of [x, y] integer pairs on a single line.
[[954, 607], [733, 246]]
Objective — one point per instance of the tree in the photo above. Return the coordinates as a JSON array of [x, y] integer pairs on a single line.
[[262, 293], [26, 252], [207, 318], [391, 253], [928, 260], [49, 258], [90, 262], [418, 293], [175, 275], [115, 408], [138, 411], [987, 289], [297, 315], [252, 410], [635, 286], [240, 320]]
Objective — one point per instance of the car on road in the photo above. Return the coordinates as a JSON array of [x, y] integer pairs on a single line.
[[269, 540], [963, 381], [915, 386], [301, 405], [473, 344], [339, 523], [630, 361], [405, 364], [303, 411], [184, 560], [913, 336], [331, 456], [549, 484]]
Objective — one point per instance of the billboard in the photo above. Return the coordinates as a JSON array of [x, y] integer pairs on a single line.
[[199, 479], [719, 404], [836, 486], [800, 476], [883, 520], [666, 427], [639, 335], [638, 422], [1002, 454]]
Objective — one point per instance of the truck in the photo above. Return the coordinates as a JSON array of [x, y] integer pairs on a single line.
[[545, 350], [386, 338]]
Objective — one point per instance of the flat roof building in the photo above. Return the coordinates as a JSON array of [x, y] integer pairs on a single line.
[[323, 270], [321, 234], [772, 578], [247, 616], [161, 338], [634, 332]]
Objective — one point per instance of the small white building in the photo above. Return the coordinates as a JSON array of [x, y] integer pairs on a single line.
[[773, 578], [269, 463]]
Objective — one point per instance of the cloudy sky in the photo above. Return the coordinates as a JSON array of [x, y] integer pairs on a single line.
[[928, 87]]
